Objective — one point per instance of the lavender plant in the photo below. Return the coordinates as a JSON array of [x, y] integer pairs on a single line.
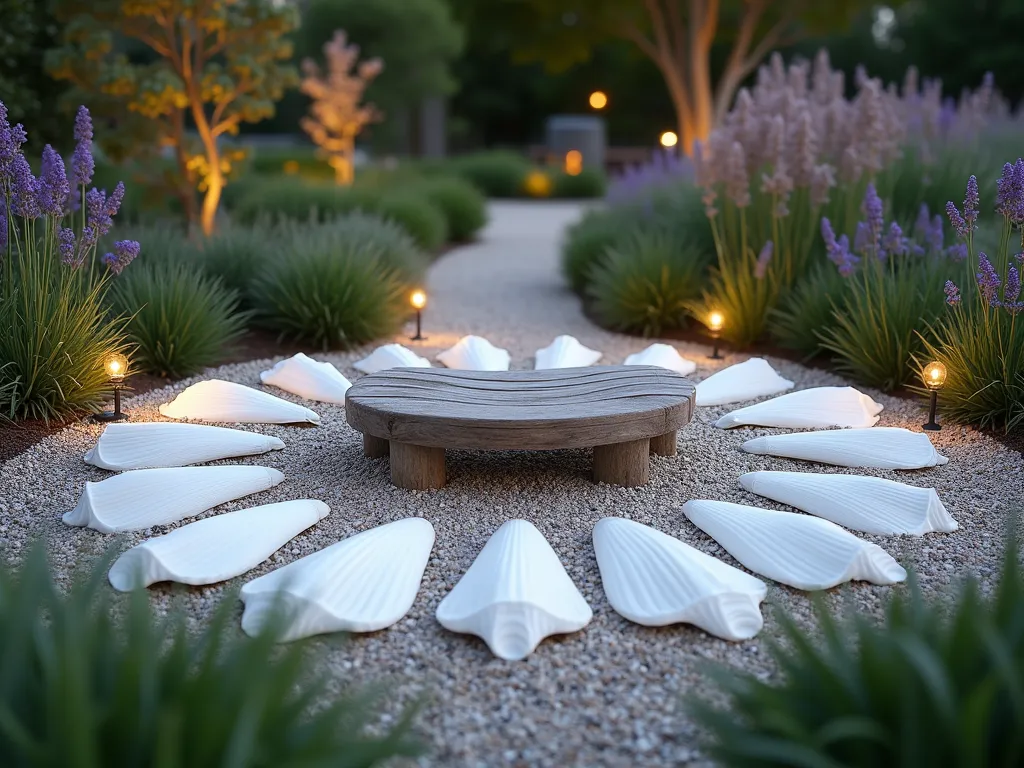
[[57, 331], [980, 339]]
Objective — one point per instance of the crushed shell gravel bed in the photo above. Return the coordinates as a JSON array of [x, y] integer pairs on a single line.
[[610, 695]]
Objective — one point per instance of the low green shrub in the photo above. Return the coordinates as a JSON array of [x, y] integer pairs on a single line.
[[497, 173], [90, 682], [236, 255], [293, 198], [180, 320], [414, 212], [335, 297], [588, 240], [643, 285], [934, 686], [464, 207], [589, 182], [807, 309]]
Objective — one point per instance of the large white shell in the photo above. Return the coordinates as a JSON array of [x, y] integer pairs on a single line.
[[748, 380], [216, 548], [663, 356], [390, 356], [565, 352], [809, 409], [143, 498], [799, 550], [152, 444], [361, 584], [308, 378], [654, 579], [880, 447], [473, 353], [225, 401], [515, 594], [869, 504]]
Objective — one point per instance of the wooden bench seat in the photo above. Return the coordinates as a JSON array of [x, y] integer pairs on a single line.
[[623, 412]]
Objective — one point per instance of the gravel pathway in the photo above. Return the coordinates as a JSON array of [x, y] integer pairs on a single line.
[[610, 695]]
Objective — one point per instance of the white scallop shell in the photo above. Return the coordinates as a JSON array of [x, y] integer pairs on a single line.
[[225, 401], [663, 356], [143, 498], [215, 548], [869, 504], [147, 445], [565, 352], [390, 356], [808, 409], [308, 378], [363, 583], [748, 380], [880, 447], [515, 594], [799, 550], [654, 579], [473, 353]]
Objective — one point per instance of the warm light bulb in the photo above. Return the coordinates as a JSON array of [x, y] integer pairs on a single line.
[[598, 100], [716, 321], [669, 139], [117, 366], [573, 162], [934, 375], [418, 299]]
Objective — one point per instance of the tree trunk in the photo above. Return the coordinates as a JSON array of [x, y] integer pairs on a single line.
[[343, 162], [211, 200], [684, 111]]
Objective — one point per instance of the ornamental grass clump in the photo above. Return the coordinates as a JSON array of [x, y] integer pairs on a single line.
[[980, 338], [936, 685], [57, 331], [87, 681]]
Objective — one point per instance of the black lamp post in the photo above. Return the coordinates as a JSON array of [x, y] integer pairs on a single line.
[[117, 366], [715, 323], [934, 376], [418, 301]]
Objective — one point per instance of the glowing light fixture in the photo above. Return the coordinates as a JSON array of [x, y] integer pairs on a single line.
[[573, 162], [668, 139], [537, 183], [116, 366], [715, 322], [598, 100], [418, 299], [934, 376], [291, 167]]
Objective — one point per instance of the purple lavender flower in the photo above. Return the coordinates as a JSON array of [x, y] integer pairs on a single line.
[[52, 188], [862, 237], [952, 293], [872, 210], [114, 201], [971, 202], [125, 252], [957, 252], [839, 254], [763, 258], [98, 207], [959, 225], [23, 189], [827, 233], [82, 163], [894, 243], [1010, 195], [934, 236], [66, 246], [988, 280], [922, 223], [1012, 290], [3, 222]]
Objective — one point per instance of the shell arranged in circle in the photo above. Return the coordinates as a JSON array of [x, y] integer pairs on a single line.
[[473, 353], [878, 447], [364, 583], [565, 352], [808, 409], [390, 356], [748, 380], [215, 548], [799, 550], [153, 444], [308, 378], [654, 579], [663, 356], [515, 594], [224, 401]]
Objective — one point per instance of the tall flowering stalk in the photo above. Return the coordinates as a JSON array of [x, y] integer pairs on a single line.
[[57, 331]]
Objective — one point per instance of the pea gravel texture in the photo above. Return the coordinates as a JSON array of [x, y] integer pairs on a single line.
[[614, 693]]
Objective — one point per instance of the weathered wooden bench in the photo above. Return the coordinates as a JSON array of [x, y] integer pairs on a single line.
[[623, 412]]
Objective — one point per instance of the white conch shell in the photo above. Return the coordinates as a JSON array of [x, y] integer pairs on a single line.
[[514, 594], [473, 353], [748, 380], [654, 579], [146, 445], [799, 550], [663, 356], [809, 409], [361, 584], [143, 498], [869, 504], [565, 352], [390, 356], [880, 447], [308, 378], [225, 401], [216, 548]]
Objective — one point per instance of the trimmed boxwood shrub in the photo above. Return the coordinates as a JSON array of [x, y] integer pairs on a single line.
[[413, 211], [589, 182], [497, 174], [462, 204]]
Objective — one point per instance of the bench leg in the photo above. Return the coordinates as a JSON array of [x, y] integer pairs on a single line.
[[374, 447], [416, 467], [625, 464], [664, 445]]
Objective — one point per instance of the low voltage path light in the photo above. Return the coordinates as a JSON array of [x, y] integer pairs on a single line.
[[116, 366], [934, 376], [668, 139], [573, 162], [598, 100], [715, 322], [418, 299]]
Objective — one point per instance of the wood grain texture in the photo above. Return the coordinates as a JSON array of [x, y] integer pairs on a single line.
[[626, 464], [417, 467], [520, 410], [375, 447], [664, 445]]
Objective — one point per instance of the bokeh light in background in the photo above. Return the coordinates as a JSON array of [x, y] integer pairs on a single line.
[[598, 100], [668, 139], [573, 162]]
